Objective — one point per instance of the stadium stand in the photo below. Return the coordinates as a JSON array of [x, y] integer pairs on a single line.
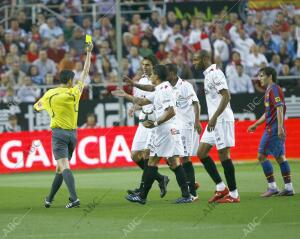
[[35, 44]]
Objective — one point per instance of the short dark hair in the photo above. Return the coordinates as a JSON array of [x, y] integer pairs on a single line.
[[90, 114], [203, 54], [161, 71], [152, 59], [172, 68], [12, 117], [65, 76], [269, 71]]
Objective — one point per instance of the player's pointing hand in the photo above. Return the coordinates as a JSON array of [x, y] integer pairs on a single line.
[[119, 93], [127, 80]]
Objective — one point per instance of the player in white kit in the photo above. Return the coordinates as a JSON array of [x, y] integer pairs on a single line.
[[167, 141], [188, 113], [219, 131], [139, 149]]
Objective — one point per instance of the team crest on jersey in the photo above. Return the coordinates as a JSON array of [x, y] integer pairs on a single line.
[[174, 131], [277, 99], [267, 104]]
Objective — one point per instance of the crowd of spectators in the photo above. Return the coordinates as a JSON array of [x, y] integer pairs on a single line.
[[33, 54]]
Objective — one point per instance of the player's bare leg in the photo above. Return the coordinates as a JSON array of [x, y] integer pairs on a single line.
[[286, 174], [229, 172], [175, 165], [211, 169], [269, 173]]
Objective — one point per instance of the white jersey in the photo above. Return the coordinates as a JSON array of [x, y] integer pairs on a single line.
[[146, 109], [162, 98], [166, 141], [215, 81], [185, 95]]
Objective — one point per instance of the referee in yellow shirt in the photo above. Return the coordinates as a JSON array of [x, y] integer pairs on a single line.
[[61, 104]]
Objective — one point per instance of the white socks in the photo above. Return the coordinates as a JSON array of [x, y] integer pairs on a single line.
[[234, 194], [220, 186], [288, 186], [272, 185]]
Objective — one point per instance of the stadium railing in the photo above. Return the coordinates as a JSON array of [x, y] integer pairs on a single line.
[[281, 80]]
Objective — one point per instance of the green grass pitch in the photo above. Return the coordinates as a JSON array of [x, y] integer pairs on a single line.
[[105, 213]]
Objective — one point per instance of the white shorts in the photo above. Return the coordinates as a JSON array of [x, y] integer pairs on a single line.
[[195, 143], [166, 142], [141, 138], [190, 141], [222, 136]]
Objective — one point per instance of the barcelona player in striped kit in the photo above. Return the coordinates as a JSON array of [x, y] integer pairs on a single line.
[[273, 139]]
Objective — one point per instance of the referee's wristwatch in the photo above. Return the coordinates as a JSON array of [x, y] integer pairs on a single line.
[[155, 124]]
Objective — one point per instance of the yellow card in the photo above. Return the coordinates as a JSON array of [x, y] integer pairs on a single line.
[[88, 38]]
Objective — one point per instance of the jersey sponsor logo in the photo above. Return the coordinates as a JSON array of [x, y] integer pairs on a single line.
[[277, 99], [218, 83]]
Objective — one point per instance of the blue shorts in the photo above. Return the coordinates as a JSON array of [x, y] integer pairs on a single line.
[[271, 144]]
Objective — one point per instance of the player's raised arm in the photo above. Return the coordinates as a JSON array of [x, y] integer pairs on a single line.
[[136, 100], [133, 109], [143, 87], [87, 63]]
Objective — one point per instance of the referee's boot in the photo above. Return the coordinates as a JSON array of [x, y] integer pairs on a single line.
[[47, 202], [72, 203]]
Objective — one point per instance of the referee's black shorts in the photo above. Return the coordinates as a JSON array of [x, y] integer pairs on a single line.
[[63, 143]]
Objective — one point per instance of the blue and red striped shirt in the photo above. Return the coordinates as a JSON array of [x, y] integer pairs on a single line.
[[273, 98]]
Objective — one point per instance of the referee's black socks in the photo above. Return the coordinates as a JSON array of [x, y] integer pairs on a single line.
[[182, 180], [211, 169], [190, 174], [229, 174]]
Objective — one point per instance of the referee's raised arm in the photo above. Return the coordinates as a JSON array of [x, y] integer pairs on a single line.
[[87, 63]]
